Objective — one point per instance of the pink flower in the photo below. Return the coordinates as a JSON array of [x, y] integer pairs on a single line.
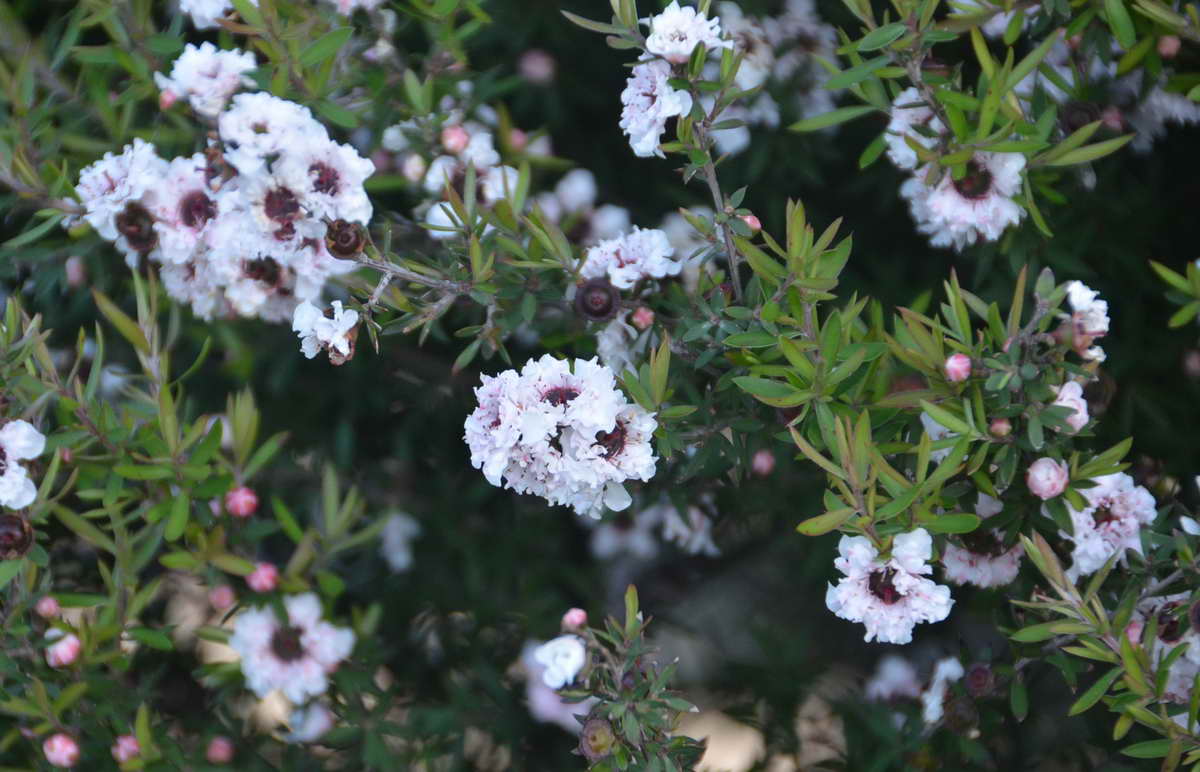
[[642, 318], [241, 501], [1000, 427], [518, 139], [1047, 478], [1168, 46], [574, 619], [537, 67], [166, 99], [222, 597], [455, 139], [1070, 394], [126, 748], [752, 222], [220, 750], [47, 607], [264, 577], [958, 368], [763, 463], [61, 750], [64, 651]]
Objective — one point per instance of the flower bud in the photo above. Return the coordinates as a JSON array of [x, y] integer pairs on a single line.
[[126, 748], [537, 67], [241, 501], [345, 239], [752, 222], [574, 619], [1047, 478], [763, 463], [1168, 46], [167, 99], [1134, 630], [642, 318], [597, 300], [47, 607], [455, 139], [413, 168], [16, 537], [517, 140], [65, 649], [957, 368], [264, 577], [76, 272], [979, 680], [1113, 118], [596, 739], [220, 750], [61, 750], [1000, 427], [222, 597]]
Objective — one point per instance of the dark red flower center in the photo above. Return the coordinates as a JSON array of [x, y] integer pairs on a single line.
[[613, 442], [560, 395], [264, 269], [281, 204], [983, 541], [286, 644], [15, 536], [976, 183], [196, 208], [136, 224], [1102, 515], [325, 178], [1170, 627], [881, 586]]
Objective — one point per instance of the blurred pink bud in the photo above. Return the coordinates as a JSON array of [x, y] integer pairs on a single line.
[[1047, 478], [1133, 631], [1112, 118], [61, 750], [763, 463], [126, 748], [222, 597], [166, 99], [642, 318], [574, 619], [47, 607], [517, 140], [455, 139], [264, 577], [65, 649], [241, 501], [1168, 46], [752, 222], [958, 368], [1074, 41], [537, 66], [66, 454], [220, 750], [76, 272], [1007, 343], [382, 160], [1000, 427], [413, 168]]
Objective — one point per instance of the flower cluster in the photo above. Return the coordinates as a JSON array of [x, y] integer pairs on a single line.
[[626, 260], [240, 229], [1175, 617], [983, 560], [1111, 523], [958, 212], [561, 432], [891, 596]]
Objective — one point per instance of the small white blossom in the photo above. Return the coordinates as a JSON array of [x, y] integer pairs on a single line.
[[648, 101], [318, 331], [957, 213], [690, 531], [1110, 524], [933, 699], [909, 111], [545, 704], [563, 658], [643, 254], [205, 13], [1070, 394], [399, 531], [676, 32], [1089, 313], [309, 723], [19, 441], [982, 560], [207, 77], [894, 678]]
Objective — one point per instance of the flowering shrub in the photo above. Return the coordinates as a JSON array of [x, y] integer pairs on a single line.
[[587, 338]]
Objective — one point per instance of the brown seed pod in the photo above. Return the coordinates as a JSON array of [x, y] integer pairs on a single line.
[[345, 239], [597, 300], [16, 536]]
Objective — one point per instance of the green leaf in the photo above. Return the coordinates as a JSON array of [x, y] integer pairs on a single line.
[[856, 73], [1091, 152], [761, 387], [1018, 699], [946, 419], [594, 26], [325, 46], [831, 118], [335, 113], [155, 639], [84, 530], [133, 472], [959, 522], [1120, 23], [177, 520], [1095, 691], [9, 569], [883, 36], [821, 524], [69, 696], [1150, 749], [119, 319], [754, 339]]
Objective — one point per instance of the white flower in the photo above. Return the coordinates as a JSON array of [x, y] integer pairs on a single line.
[[643, 254], [545, 704], [257, 126], [676, 31], [614, 345], [576, 191], [328, 179], [889, 597], [895, 677], [207, 76], [183, 207], [205, 13], [114, 182], [1172, 630], [983, 561], [1189, 525], [1110, 524], [750, 40], [563, 658], [318, 331], [293, 655], [957, 213], [1090, 314], [945, 672], [692, 532], [399, 531], [627, 535], [310, 723], [1159, 108], [908, 112], [608, 222], [19, 441], [480, 151], [499, 183], [648, 101], [1070, 394]]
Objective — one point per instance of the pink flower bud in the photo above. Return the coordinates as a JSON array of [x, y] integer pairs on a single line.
[[264, 577], [1168, 46], [382, 160], [66, 455], [61, 750], [1070, 394], [220, 750], [752, 222], [1112, 118], [241, 501], [517, 140], [455, 139], [126, 748], [47, 607], [222, 597], [763, 463], [642, 318], [166, 99], [1000, 427], [1047, 478], [1133, 631], [537, 67], [574, 619], [65, 649], [413, 168], [76, 271], [957, 368]]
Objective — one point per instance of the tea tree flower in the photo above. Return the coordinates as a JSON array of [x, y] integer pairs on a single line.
[[648, 101], [643, 254], [19, 441], [61, 750], [333, 333], [909, 112], [894, 677], [563, 658], [399, 531], [1047, 478], [676, 32], [982, 559], [207, 77], [1070, 394], [980, 205], [891, 596], [933, 699], [294, 654], [1111, 522], [310, 723]]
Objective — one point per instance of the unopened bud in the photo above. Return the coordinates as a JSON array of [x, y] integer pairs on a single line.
[[220, 750], [222, 597], [979, 680], [76, 272], [1000, 427], [264, 577], [958, 368], [1168, 46], [47, 607], [241, 501], [413, 168], [455, 139], [642, 318], [65, 649], [167, 99], [537, 66], [517, 140], [126, 748], [597, 300], [574, 619], [61, 750], [763, 463], [752, 222]]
